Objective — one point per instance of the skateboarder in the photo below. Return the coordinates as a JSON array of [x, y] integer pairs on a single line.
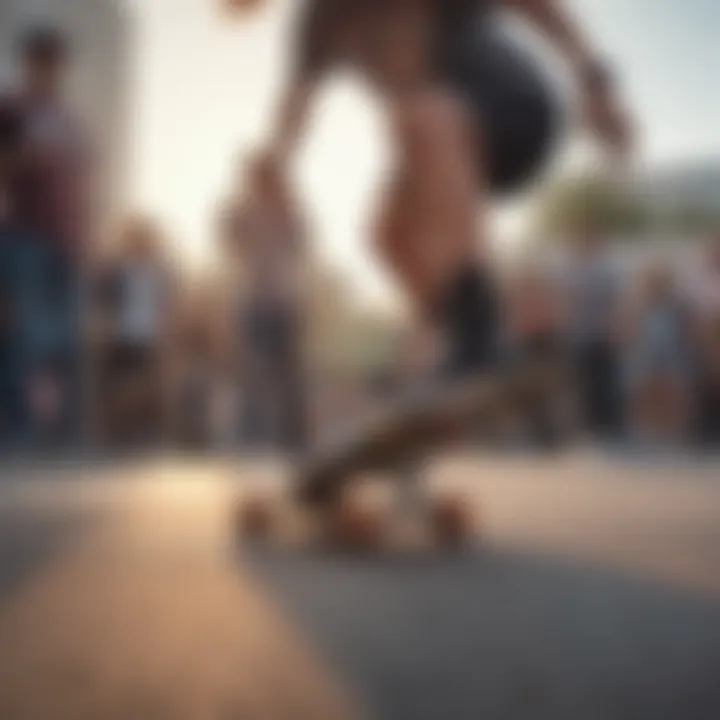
[[471, 117]]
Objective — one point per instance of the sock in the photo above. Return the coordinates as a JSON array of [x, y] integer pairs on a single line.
[[471, 319]]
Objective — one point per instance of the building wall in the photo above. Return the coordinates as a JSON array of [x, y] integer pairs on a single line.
[[102, 31]]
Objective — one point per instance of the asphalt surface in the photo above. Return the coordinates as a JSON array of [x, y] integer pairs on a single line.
[[593, 592]]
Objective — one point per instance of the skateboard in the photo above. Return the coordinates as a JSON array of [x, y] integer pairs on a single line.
[[382, 512], [397, 435], [393, 443]]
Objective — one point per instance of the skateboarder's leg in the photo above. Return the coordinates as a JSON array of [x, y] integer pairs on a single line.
[[432, 231], [469, 318], [428, 234]]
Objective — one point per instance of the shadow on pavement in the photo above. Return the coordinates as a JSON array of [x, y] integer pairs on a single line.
[[31, 539], [502, 635]]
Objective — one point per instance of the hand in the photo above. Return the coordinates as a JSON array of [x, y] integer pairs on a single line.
[[267, 180], [265, 169], [608, 121], [234, 8]]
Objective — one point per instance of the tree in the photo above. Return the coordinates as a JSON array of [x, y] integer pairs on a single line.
[[692, 219], [594, 204]]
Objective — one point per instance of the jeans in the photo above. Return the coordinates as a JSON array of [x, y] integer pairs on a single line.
[[20, 267], [56, 335], [40, 328], [597, 367], [708, 412], [274, 389]]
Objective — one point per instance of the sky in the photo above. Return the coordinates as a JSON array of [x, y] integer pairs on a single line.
[[206, 91]]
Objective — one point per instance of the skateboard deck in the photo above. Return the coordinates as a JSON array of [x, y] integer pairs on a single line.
[[406, 432], [320, 509]]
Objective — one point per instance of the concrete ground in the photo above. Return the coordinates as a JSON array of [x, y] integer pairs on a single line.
[[593, 592]]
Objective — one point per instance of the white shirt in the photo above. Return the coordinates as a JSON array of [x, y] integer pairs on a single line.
[[273, 256], [142, 300]]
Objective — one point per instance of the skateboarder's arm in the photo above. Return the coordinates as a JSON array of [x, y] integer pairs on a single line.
[[310, 58], [555, 21], [291, 118], [603, 110]]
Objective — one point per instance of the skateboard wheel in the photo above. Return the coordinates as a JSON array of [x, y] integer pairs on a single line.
[[254, 518], [355, 528], [451, 521]]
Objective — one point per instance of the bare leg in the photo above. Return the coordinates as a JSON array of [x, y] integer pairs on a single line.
[[428, 230], [431, 229], [428, 235], [435, 224]]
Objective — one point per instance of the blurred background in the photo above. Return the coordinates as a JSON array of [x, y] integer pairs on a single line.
[[136, 312], [166, 337]]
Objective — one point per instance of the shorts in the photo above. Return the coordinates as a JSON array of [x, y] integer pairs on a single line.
[[516, 110]]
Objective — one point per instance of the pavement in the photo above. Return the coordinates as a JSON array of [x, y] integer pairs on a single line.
[[592, 592]]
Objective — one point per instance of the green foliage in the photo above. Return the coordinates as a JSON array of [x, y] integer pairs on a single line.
[[691, 219], [602, 206], [592, 204]]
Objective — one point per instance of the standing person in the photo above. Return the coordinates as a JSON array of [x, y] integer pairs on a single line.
[[535, 332], [269, 237], [198, 369], [592, 299], [657, 358], [535, 314], [48, 204], [705, 303], [12, 284], [470, 115], [141, 289]]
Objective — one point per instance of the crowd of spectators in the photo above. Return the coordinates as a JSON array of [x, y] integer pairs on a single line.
[[641, 339]]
